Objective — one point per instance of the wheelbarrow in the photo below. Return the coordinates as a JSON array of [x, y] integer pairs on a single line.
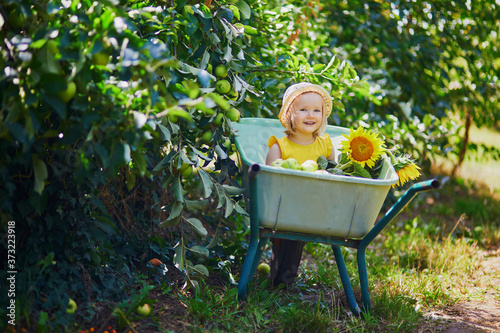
[[312, 207]]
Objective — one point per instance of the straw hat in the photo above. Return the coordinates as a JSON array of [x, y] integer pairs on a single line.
[[297, 89]]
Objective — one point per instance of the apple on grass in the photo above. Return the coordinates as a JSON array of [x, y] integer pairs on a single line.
[[264, 269], [144, 310], [71, 307]]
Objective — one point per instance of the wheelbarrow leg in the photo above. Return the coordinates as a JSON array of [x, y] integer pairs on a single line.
[[363, 278], [344, 277], [252, 259], [255, 247]]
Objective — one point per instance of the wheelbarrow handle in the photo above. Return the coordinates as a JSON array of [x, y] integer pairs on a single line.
[[427, 185], [381, 224]]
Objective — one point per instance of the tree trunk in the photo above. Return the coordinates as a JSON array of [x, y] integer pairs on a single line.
[[463, 150]]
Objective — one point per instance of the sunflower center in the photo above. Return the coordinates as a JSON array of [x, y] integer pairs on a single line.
[[362, 149]]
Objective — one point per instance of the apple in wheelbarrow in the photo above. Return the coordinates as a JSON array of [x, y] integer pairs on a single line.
[[309, 166], [277, 163], [290, 163]]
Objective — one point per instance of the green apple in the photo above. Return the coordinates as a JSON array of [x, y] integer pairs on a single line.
[[209, 68], [227, 143], [290, 163], [277, 163], [309, 166], [187, 172], [100, 58], [172, 118], [218, 119], [207, 136], [52, 46], [233, 114], [144, 310], [71, 307], [223, 86], [221, 71], [264, 269], [233, 95], [69, 93], [16, 18]]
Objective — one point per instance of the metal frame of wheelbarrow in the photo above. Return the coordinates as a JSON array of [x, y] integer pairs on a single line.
[[259, 237]]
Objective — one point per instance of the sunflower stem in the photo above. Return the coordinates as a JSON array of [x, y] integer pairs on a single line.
[[344, 166], [391, 155]]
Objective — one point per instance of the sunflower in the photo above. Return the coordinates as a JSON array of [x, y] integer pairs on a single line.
[[405, 168], [363, 147]]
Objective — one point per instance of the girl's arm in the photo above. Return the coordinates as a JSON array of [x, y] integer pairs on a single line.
[[332, 155], [273, 154]]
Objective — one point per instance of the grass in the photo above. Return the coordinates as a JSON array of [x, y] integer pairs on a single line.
[[478, 167], [428, 259]]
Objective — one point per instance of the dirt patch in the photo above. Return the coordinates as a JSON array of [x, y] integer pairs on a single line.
[[481, 313]]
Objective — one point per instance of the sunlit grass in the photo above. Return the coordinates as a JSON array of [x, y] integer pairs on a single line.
[[477, 166]]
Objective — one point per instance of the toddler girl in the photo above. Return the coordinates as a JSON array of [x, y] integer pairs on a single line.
[[304, 114]]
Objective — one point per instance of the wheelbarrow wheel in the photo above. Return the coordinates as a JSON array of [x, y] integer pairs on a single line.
[[285, 260]]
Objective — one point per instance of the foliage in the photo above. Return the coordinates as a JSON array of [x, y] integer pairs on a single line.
[[114, 128]]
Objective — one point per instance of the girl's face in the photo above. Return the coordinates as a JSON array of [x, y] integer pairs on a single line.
[[307, 113]]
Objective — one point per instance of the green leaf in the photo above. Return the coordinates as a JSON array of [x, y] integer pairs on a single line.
[[322, 162], [48, 260], [195, 204], [170, 223], [165, 162], [244, 8], [206, 182], [180, 256], [41, 173], [200, 269], [139, 161], [220, 101], [233, 190], [240, 209], [221, 195], [360, 171], [200, 250], [318, 67], [165, 133], [213, 242], [229, 207], [106, 225], [177, 190], [197, 226], [175, 210]]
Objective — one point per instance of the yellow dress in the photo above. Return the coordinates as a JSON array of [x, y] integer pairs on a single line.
[[322, 146]]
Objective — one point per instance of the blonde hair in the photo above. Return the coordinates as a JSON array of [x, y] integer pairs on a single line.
[[290, 112]]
